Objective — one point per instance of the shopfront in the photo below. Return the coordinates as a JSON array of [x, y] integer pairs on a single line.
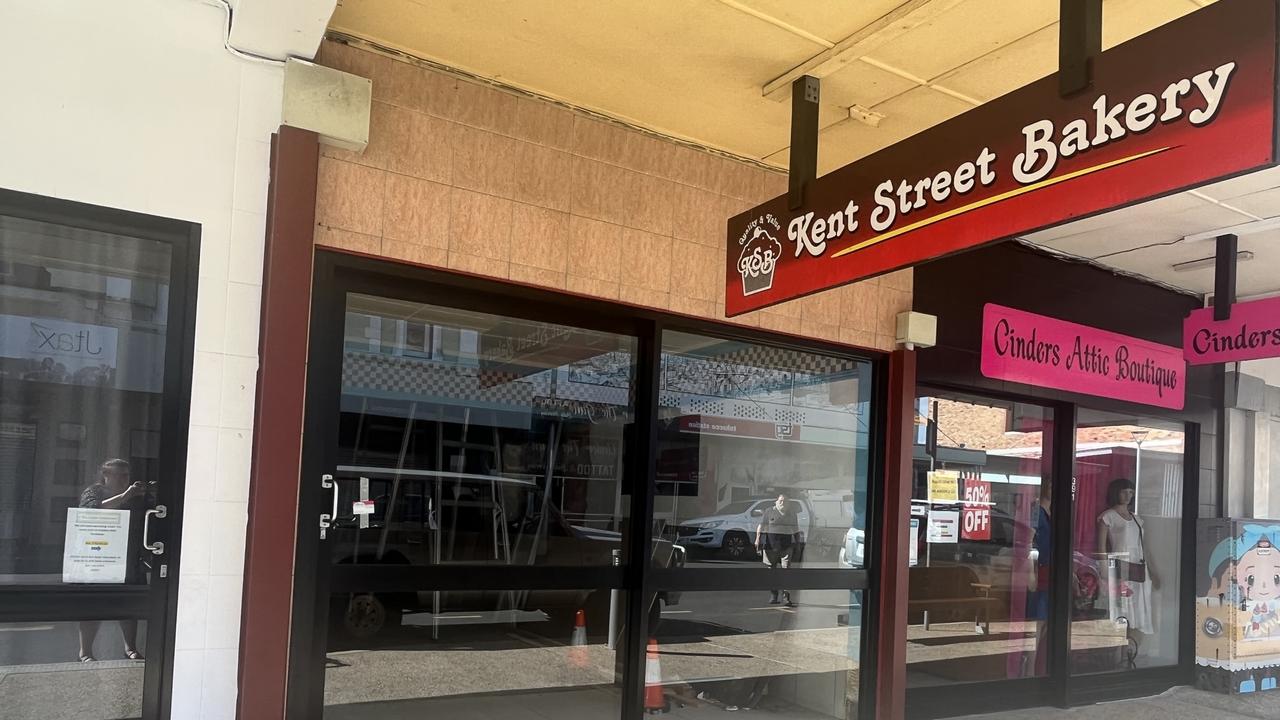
[[1060, 616], [542, 471], [541, 474]]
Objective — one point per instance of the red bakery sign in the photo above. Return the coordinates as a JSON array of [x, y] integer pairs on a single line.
[[1187, 103]]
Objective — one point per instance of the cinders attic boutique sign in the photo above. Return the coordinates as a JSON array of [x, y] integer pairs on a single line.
[[1252, 333], [1036, 350], [1182, 105]]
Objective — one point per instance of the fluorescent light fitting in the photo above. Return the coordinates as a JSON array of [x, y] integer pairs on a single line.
[[1209, 262]]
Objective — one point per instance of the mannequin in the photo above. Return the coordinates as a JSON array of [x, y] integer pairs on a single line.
[[1121, 547]]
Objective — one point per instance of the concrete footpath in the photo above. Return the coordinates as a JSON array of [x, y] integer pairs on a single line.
[[1181, 703]]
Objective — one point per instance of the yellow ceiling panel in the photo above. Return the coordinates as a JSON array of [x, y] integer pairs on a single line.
[[689, 68], [967, 31], [859, 83], [1126, 19], [1004, 70], [831, 20]]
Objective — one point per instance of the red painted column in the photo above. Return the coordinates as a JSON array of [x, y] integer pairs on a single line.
[[277, 427], [891, 653]]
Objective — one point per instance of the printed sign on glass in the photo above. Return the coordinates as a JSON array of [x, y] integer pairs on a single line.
[[976, 520], [1036, 350], [1187, 103], [95, 548], [943, 527], [944, 486]]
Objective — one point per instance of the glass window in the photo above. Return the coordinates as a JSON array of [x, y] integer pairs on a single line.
[[762, 454], [474, 654], [469, 438], [734, 651], [83, 324], [978, 599], [40, 675], [1128, 532]]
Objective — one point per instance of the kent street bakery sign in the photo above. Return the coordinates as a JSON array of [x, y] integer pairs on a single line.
[[1187, 103], [1036, 350]]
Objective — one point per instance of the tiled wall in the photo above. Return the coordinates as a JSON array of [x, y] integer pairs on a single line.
[[465, 176]]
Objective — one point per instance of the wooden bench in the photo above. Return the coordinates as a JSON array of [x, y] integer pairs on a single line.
[[948, 589]]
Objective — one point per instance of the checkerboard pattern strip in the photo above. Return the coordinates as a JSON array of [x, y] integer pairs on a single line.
[[423, 378]]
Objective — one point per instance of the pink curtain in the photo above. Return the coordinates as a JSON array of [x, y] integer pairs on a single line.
[[1093, 474]]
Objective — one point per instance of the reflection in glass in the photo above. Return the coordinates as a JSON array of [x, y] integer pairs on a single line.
[[762, 454], [83, 320], [1128, 507], [469, 438], [40, 676], [978, 601], [734, 651], [474, 655]]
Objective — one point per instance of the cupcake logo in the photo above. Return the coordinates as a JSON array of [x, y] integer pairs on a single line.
[[759, 256]]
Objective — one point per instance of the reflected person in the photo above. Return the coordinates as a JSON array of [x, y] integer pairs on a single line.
[[113, 491], [777, 537]]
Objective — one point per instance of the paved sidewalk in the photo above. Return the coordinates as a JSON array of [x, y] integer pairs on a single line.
[[1181, 703]]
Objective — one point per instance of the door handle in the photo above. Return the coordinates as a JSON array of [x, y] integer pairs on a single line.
[[327, 482], [161, 512]]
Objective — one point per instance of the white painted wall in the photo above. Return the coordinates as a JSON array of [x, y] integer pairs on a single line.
[[137, 105], [1268, 370]]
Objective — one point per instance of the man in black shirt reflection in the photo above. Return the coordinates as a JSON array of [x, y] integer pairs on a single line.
[[778, 537]]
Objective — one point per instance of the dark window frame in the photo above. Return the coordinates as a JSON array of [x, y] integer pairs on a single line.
[[336, 274], [156, 603]]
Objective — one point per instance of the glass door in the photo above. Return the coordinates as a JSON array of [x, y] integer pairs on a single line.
[[474, 516], [94, 382], [979, 600], [1128, 532]]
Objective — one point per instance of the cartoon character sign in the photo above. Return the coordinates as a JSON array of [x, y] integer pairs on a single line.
[[1238, 606], [1257, 581]]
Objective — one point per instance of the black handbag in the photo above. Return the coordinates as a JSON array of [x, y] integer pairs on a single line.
[[1133, 571]]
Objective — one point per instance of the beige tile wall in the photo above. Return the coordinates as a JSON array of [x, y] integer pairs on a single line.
[[465, 176]]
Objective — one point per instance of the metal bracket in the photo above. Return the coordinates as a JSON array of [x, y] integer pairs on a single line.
[[1079, 42], [1224, 285], [803, 168]]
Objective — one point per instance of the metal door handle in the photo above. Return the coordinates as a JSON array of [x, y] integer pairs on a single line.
[[161, 512], [326, 482]]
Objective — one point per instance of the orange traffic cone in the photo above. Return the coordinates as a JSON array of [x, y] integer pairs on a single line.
[[578, 641], [654, 700]]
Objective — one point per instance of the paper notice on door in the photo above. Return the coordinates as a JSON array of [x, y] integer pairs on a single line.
[[944, 527], [362, 507], [96, 549]]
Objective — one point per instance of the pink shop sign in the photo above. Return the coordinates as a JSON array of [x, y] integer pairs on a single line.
[[1253, 332], [1031, 349]]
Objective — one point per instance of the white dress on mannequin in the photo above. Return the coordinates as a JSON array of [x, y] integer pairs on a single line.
[[1130, 600]]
